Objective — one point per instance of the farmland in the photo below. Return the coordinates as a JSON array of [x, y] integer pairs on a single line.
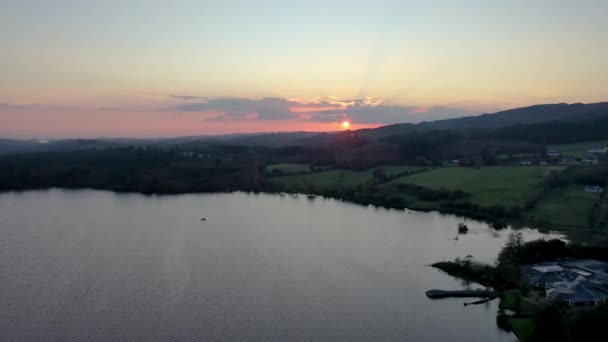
[[546, 195], [500, 185], [334, 180], [570, 206], [287, 168]]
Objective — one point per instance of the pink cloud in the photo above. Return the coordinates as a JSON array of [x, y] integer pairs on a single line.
[[27, 123]]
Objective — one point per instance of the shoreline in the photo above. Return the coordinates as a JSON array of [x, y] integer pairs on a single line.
[[574, 233]]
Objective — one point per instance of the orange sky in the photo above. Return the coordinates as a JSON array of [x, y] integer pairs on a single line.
[[69, 123]]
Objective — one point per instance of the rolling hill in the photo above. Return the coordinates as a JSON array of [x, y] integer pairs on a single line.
[[576, 113], [527, 115]]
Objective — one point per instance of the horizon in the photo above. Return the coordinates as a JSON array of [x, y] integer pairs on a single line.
[[338, 129], [121, 69]]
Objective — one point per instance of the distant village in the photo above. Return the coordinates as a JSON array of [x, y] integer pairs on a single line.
[[552, 157]]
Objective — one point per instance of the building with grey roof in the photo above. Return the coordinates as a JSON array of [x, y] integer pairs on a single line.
[[574, 281]]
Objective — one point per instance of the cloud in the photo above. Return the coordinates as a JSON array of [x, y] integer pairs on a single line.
[[6, 105], [365, 110], [325, 109], [363, 113], [59, 107], [33, 106], [267, 108], [188, 97]]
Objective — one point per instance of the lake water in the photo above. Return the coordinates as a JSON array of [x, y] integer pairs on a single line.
[[99, 266]]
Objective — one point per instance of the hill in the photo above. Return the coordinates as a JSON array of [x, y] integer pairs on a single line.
[[561, 112], [514, 124]]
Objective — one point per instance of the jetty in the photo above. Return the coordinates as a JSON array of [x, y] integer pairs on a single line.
[[436, 294]]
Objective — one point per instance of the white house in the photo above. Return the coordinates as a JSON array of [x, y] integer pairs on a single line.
[[453, 162], [598, 150], [590, 161], [594, 188]]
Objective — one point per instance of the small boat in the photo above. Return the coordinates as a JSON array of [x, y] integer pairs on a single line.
[[203, 219], [462, 228]]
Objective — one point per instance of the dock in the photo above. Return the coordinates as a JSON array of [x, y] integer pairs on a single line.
[[436, 294]]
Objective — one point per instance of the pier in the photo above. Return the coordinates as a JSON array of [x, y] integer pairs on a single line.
[[436, 294]]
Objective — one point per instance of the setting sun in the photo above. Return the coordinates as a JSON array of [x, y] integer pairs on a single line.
[[345, 124]]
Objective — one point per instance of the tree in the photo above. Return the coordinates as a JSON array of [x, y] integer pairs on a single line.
[[509, 258], [379, 174], [512, 251]]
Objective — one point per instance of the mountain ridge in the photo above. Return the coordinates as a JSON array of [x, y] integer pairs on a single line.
[[541, 113], [510, 117]]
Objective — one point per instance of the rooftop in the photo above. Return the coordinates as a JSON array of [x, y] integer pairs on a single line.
[[548, 268]]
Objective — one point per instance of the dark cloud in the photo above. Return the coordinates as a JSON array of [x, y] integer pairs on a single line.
[[364, 110], [56, 107], [32, 106], [268, 108], [362, 113], [359, 110], [5, 105]]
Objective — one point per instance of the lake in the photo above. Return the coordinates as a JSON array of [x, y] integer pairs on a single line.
[[98, 266]]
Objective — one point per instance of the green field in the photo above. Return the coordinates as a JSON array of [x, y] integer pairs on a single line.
[[397, 170], [507, 186], [523, 327], [337, 179], [602, 222], [510, 299], [288, 168], [570, 206], [498, 185], [579, 149]]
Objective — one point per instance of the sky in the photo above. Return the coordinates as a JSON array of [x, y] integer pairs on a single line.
[[126, 68]]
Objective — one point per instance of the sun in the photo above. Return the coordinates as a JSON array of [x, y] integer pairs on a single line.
[[345, 125]]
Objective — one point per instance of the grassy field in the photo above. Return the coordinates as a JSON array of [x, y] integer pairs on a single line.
[[569, 205], [523, 327], [396, 170], [509, 301], [578, 149], [498, 185], [602, 219], [337, 179], [288, 168]]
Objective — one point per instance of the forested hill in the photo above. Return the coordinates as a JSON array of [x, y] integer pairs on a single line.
[[553, 123], [561, 112]]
